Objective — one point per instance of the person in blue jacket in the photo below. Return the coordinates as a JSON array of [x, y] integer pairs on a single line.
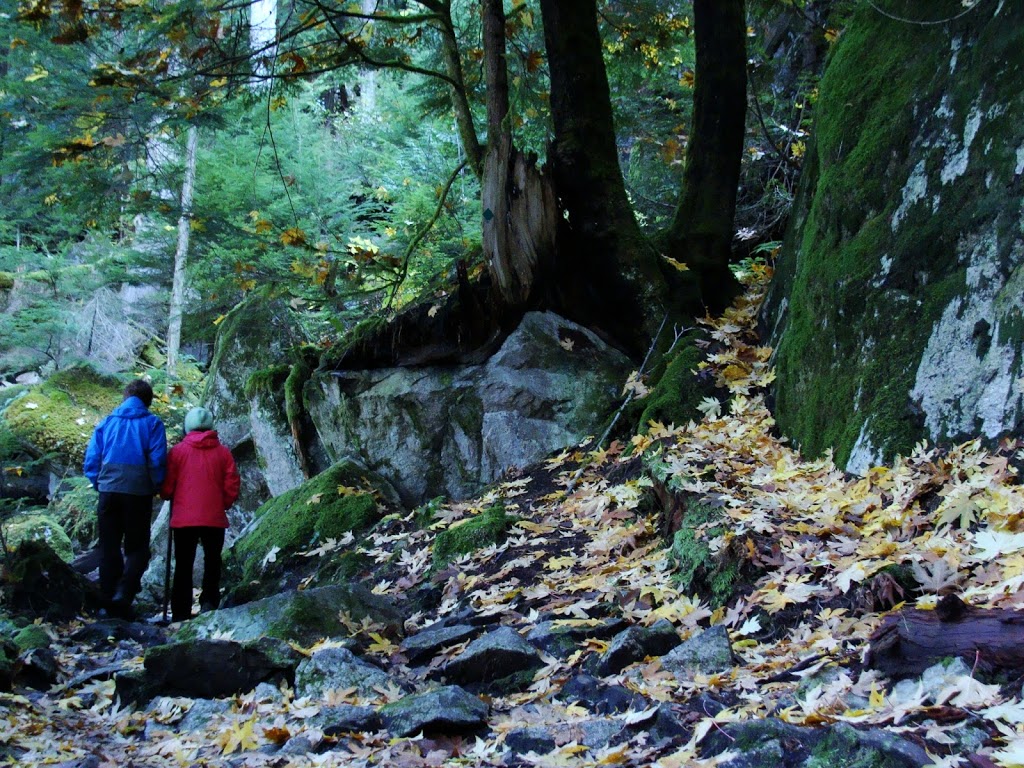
[[126, 461]]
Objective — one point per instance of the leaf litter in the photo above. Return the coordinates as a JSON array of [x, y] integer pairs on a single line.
[[820, 541]]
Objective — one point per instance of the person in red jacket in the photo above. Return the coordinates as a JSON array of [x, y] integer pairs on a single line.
[[202, 482]]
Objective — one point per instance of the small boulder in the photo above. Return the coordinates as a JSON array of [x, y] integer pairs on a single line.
[[336, 669], [601, 699], [425, 644], [448, 710], [497, 657], [561, 637], [635, 644], [347, 718], [209, 669], [536, 740], [706, 653], [301, 616]]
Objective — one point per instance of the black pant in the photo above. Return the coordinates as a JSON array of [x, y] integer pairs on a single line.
[[123, 520], [185, 542]]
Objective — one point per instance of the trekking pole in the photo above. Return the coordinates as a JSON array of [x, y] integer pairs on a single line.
[[167, 565]]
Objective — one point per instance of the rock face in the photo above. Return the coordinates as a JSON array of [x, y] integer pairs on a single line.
[[449, 431], [254, 337], [897, 312]]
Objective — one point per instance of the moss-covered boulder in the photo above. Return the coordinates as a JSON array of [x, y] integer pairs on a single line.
[[343, 499], [56, 418], [301, 616], [35, 581], [37, 525], [897, 310], [451, 430], [489, 527]]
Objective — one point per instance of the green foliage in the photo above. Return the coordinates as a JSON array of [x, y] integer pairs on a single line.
[[35, 525], [677, 387], [489, 527]]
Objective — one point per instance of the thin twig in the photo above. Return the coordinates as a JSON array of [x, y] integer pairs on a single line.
[[894, 17]]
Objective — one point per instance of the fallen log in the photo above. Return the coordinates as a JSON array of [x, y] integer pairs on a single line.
[[910, 641]]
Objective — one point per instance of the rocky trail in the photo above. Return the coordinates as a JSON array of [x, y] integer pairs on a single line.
[[582, 637]]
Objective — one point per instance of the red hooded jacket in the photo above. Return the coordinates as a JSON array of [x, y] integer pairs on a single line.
[[202, 480]]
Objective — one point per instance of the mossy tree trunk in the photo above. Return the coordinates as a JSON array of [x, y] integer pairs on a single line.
[[702, 229], [181, 252]]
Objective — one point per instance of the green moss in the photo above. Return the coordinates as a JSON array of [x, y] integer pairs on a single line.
[[304, 611], [31, 637], [6, 281], [425, 514], [854, 335], [697, 568], [840, 746], [266, 380], [489, 527], [676, 389], [74, 509], [35, 525], [313, 511], [57, 416]]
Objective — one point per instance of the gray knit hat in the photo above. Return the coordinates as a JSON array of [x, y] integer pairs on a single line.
[[198, 419]]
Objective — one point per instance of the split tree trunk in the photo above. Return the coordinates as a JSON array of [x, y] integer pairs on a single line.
[[702, 229], [519, 207], [181, 252]]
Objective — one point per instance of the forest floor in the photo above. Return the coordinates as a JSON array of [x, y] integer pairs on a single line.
[[818, 547]]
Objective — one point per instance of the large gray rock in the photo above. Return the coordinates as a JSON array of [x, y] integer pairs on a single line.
[[425, 644], [302, 616], [337, 669], [706, 653], [897, 311], [449, 710], [449, 431], [635, 644]]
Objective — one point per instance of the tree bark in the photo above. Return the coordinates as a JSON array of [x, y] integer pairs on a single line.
[[702, 229], [181, 252], [368, 75], [608, 275], [519, 209]]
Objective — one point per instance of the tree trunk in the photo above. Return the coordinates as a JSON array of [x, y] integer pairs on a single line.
[[702, 229], [368, 75], [460, 100], [181, 253], [608, 275], [519, 208]]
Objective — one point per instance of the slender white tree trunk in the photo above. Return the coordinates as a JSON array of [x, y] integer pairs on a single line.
[[181, 253], [262, 34], [368, 77]]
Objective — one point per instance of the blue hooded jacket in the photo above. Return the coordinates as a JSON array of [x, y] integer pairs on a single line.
[[128, 451]]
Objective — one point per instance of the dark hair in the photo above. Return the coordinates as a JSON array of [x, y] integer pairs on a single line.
[[140, 388]]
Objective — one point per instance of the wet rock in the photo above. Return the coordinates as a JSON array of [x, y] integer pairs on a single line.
[[706, 653], [601, 699], [500, 656], [107, 632], [39, 669], [448, 710], [536, 740], [350, 719], [425, 644], [560, 638], [209, 669], [40, 583], [337, 669], [636, 644]]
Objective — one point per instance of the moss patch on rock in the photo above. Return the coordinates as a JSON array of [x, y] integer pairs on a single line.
[[37, 525], [698, 569], [336, 501], [57, 417], [489, 527], [73, 506]]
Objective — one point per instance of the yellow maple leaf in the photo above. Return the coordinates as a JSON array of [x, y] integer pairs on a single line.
[[238, 737], [558, 563]]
